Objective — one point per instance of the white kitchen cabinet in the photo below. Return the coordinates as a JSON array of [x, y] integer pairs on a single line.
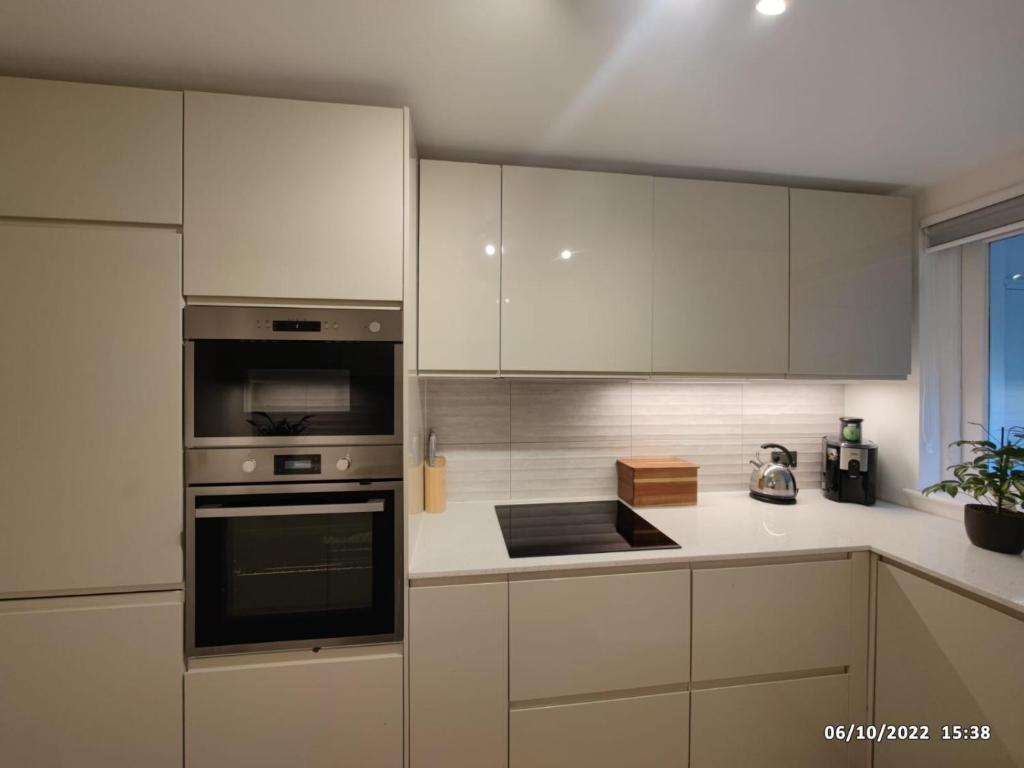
[[292, 199], [591, 311], [770, 725], [337, 708], [771, 619], [851, 294], [588, 634], [458, 676], [90, 467], [91, 682], [640, 732], [460, 266], [94, 152], [721, 278], [945, 659]]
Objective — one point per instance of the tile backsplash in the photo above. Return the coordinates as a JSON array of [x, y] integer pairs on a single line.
[[553, 439]]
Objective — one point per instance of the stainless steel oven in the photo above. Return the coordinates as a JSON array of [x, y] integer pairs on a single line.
[[293, 547], [264, 376]]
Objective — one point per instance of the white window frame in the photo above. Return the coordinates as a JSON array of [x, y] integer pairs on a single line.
[[970, 372]]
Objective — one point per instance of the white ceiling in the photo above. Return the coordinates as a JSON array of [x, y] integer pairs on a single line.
[[884, 92]]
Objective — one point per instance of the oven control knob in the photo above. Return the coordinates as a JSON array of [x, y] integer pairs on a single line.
[[249, 465], [343, 464], [375, 327]]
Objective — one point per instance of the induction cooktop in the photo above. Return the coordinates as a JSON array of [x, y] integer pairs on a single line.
[[576, 528]]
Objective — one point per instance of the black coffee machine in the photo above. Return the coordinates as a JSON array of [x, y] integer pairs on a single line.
[[849, 464]]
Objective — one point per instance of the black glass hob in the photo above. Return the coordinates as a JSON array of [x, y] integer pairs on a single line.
[[576, 528]]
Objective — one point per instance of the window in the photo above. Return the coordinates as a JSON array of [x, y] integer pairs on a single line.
[[1006, 333]]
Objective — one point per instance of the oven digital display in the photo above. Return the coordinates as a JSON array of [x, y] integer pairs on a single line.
[[290, 464], [298, 326]]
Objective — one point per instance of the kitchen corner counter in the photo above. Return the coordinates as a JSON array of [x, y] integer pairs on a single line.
[[465, 541]]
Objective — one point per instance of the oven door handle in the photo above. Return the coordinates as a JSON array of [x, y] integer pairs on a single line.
[[298, 509]]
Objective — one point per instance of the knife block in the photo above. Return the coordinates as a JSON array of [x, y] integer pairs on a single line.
[[435, 485]]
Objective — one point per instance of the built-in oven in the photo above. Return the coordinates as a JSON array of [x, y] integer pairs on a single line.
[[293, 548], [262, 376]]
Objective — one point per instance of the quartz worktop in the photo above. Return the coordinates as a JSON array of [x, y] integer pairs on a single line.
[[466, 541]]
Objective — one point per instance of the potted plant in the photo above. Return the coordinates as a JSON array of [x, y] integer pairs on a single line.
[[995, 479]]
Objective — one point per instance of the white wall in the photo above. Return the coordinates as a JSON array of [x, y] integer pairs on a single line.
[[892, 409]]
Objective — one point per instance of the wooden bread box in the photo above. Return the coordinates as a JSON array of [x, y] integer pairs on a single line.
[[657, 482]]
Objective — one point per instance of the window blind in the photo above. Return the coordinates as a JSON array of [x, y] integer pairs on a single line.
[[975, 224]]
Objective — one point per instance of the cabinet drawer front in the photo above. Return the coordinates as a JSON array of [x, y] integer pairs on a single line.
[[598, 633], [771, 619], [317, 714], [944, 659], [769, 724], [640, 732], [93, 152], [458, 676]]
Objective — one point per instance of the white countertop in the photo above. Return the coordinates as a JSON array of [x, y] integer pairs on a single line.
[[465, 540]]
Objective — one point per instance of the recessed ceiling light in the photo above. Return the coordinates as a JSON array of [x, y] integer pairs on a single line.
[[771, 7], [490, 250], [566, 254]]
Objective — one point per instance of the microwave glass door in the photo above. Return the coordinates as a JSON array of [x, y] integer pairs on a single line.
[[284, 567], [293, 389]]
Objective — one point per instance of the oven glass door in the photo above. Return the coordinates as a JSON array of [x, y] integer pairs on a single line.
[[285, 567], [292, 391]]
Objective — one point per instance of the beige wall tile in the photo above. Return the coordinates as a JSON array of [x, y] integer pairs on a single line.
[[467, 411], [554, 470], [569, 410]]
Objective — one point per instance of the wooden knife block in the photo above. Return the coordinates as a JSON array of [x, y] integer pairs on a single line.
[[657, 482]]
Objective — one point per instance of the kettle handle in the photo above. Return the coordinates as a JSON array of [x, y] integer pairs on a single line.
[[784, 449]]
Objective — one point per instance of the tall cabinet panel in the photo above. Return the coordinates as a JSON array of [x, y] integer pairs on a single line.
[[576, 271], [721, 277], [851, 284], [95, 152], [460, 266], [292, 199], [91, 682], [90, 465], [944, 659]]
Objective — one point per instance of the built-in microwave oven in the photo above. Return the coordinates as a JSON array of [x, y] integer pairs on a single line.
[[265, 376]]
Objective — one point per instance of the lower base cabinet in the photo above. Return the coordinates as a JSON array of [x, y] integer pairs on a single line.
[[943, 659], [640, 732], [458, 676], [91, 682], [338, 710], [770, 725]]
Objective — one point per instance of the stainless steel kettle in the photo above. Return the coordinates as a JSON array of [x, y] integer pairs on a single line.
[[773, 481]]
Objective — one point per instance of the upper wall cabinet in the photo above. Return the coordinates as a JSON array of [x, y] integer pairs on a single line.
[[460, 266], [576, 271], [90, 152], [292, 199], [721, 278], [851, 284]]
